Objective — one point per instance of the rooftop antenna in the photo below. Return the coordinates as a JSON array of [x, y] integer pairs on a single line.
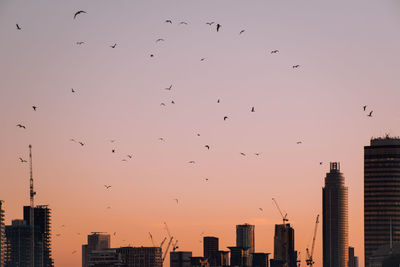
[[32, 207]]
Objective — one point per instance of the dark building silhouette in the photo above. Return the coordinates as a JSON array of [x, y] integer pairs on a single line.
[[96, 241], [277, 263], [42, 226], [2, 236], [260, 260], [240, 256], [245, 239], [199, 262], [104, 258], [180, 258], [284, 245], [141, 256], [335, 219], [381, 194], [210, 249], [222, 258]]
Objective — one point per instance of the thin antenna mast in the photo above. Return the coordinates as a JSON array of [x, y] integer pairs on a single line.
[[32, 208]]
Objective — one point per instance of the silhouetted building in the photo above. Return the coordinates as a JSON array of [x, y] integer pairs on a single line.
[[141, 256], [335, 225], [104, 258], [385, 256], [240, 256], [245, 239], [284, 245], [260, 260], [19, 237], [2, 235], [381, 193], [199, 262], [180, 258], [222, 258], [353, 260], [210, 248], [42, 226], [96, 241], [277, 263]]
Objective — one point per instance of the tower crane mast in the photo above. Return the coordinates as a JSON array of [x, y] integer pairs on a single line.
[[310, 260], [284, 217]]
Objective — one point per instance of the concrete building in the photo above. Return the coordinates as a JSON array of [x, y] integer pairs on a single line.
[[240, 256], [180, 258], [284, 250], [96, 241], [2, 236], [42, 226], [353, 260], [245, 239], [222, 258], [210, 249], [104, 258], [335, 225], [381, 194], [260, 260], [141, 256]]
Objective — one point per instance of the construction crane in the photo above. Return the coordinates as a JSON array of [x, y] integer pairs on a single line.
[[166, 250], [32, 194], [162, 242], [299, 259], [284, 217], [174, 246], [166, 228], [310, 260], [151, 238]]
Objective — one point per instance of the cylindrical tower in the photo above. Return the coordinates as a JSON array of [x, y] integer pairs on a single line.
[[335, 218]]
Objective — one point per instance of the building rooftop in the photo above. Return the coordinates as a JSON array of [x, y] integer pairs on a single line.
[[387, 140]]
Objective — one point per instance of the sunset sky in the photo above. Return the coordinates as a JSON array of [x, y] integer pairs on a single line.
[[348, 52]]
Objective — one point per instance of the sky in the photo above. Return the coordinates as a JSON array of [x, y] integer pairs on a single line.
[[348, 57]]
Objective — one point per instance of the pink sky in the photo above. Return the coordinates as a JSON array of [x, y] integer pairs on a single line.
[[348, 52]]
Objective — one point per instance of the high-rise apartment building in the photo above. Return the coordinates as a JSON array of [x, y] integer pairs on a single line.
[[245, 239], [335, 225], [239, 256], [42, 226], [2, 236], [180, 258], [141, 256], [96, 241], [260, 260], [381, 194], [210, 249], [284, 250]]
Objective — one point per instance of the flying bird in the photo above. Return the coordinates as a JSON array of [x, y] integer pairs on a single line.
[[206, 179], [129, 156], [34, 108], [22, 160], [243, 154], [177, 201], [113, 46], [183, 23], [168, 21], [112, 141], [207, 146], [172, 102], [320, 163], [73, 252], [274, 51], [257, 154], [161, 139], [370, 114], [210, 23], [108, 207], [115, 233], [198, 134], [295, 66], [218, 101], [79, 12], [159, 40], [80, 43], [72, 90], [107, 186], [364, 107], [252, 109], [298, 142], [18, 27], [124, 160], [202, 59], [151, 55], [218, 26], [81, 143], [226, 117], [169, 88], [113, 150], [21, 126], [58, 234], [162, 104], [192, 162], [242, 31], [72, 140], [260, 209]]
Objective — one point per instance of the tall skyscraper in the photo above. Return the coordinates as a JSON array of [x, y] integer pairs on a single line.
[[284, 250], [2, 235], [335, 225], [210, 248], [96, 241], [42, 226], [381, 194], [180, 258], [245, 239]]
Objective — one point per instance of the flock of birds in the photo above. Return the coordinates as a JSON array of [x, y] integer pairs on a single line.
[[169, 88]]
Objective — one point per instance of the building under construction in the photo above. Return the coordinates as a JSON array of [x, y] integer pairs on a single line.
[[284, 245], [2, 236]]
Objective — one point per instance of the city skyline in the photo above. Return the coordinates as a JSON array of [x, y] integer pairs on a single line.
[[347, 52]]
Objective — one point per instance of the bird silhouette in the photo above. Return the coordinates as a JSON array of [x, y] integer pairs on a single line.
[[21, 126], [177, 201], [169, 88], [206, 179], [79, 12], [129, 156], [112, 141], [58, 234], [161, 139], [114, 233], [252, 109], [81, 143], [124, 160], [207, 146], [162, 104], [370, 114], [80, 43], [218, 26], [18, 27], [72, 90], [160, 40], [364, 107], [225, 118], [183, 23], [210, 23], [242, 31], [73, 252], [198, 134], [172, 102], [192, 162], [22, 160], [168, 21], [202, 59], [107, 186], [113, 46], [218, 101], [295, 66], [257, 154], [151, 55], [72, 140], [299, 142], [243, 154], [274, 51], [320, 163], [260, 209], [34, 108], [113, 150]]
